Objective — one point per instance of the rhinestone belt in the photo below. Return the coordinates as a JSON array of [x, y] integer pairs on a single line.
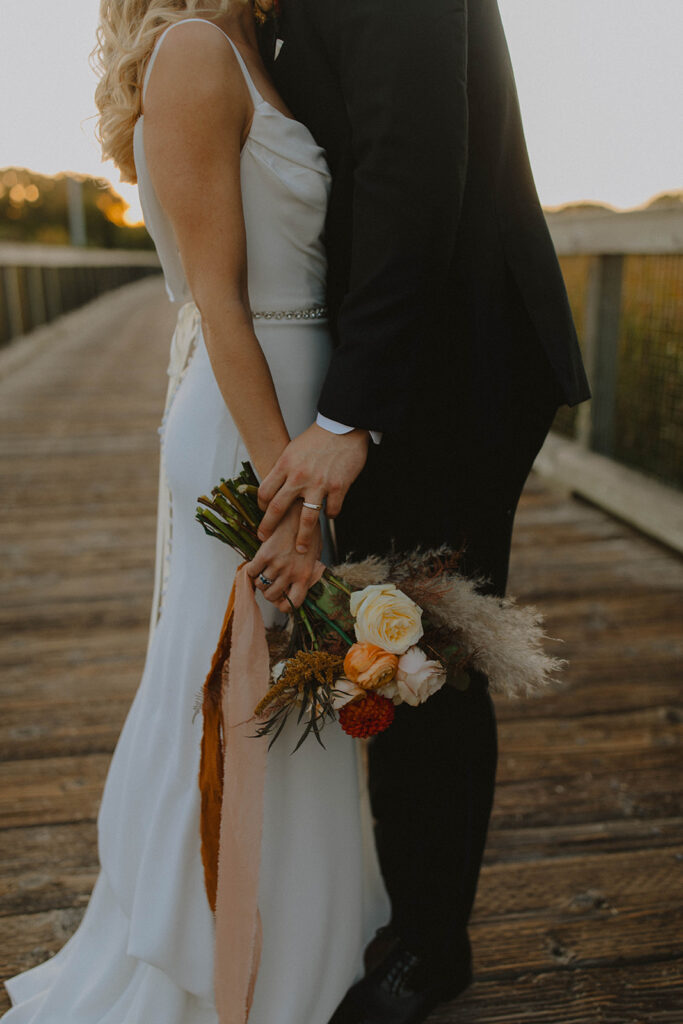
[[312, 313]]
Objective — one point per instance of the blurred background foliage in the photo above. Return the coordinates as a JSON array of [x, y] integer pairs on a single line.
[[34, 208]]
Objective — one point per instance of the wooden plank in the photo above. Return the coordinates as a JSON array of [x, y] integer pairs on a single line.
[[596, 771], [575, 798], [78, 727], [590, 693], [124, 610], [630, 731], [48, 847], [65, 676], [537, 944], [650, 993], [604, 837], [588, 885], [51, 790]]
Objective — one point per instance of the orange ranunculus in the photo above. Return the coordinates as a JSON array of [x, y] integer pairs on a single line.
[[369, 666]]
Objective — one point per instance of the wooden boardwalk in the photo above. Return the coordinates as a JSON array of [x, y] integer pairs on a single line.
[[578, 915]]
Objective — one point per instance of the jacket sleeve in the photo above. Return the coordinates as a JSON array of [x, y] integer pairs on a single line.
[[402, 65]]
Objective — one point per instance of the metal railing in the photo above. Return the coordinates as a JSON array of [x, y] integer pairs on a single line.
[[38, 283]]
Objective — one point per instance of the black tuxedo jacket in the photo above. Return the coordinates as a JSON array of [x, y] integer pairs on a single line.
[[437, 245]]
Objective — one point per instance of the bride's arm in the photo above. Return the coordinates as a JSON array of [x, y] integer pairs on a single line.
[[197, 114]]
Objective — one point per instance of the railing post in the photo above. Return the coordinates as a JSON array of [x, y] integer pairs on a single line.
[[4, 314], [76, 206], [53, 292], [15, 312], [36, 296], [596, 419]]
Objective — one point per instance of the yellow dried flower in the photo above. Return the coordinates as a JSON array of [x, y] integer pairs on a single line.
[[304, 670]]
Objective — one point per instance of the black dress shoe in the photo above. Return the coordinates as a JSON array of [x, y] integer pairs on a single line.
[[403, 988]]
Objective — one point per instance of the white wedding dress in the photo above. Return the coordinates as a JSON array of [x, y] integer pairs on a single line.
[[143, 953]]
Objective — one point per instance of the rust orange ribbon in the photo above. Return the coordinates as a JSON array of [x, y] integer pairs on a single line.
[[232, 781]]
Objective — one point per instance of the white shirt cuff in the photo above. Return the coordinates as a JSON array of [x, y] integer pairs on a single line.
[[341, 428]]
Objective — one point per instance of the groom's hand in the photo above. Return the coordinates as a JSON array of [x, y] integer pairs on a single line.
[[315, 466]]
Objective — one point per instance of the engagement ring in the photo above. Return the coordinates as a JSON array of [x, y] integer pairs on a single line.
[[264, 580]]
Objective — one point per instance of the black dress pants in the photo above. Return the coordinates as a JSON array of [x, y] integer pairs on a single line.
[[432, 773]]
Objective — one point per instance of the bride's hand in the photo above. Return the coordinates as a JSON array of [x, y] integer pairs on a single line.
[[289, 571]]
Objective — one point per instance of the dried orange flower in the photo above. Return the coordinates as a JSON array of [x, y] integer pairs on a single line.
[[370, 666], [368, 716]]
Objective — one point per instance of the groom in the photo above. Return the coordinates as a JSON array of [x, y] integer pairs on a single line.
[[455, 342]]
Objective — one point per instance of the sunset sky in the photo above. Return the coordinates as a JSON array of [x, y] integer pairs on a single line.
[[599, 81]]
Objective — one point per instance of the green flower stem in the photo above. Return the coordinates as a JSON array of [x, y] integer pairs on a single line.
[[208, 516], [336, 582], [306, 621], [203, 500], [226, 510], [251, 502], [227, 513], [229, 536], [224, 489], [332, 625]]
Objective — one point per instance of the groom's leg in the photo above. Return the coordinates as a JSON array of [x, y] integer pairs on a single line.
[[432, 777], [432, 774]]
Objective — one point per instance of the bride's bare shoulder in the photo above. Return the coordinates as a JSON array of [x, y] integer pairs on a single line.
[[194, 64]]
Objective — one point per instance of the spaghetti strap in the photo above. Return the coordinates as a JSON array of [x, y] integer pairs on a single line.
[[253, 91]]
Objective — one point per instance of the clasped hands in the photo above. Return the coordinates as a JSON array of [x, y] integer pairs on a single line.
[[317, 467]]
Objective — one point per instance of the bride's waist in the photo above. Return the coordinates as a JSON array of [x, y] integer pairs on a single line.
[[275, 313], [265, 312]]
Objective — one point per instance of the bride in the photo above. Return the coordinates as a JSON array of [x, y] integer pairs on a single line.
[[234, 192]]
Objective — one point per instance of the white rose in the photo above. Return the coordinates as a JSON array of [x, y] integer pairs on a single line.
[[418, 677], [386, 617], [345, 692]]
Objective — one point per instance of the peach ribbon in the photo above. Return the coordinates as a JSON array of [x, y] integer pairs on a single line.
[[238, 935]]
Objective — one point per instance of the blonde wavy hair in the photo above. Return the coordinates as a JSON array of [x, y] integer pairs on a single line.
[[126, 34]]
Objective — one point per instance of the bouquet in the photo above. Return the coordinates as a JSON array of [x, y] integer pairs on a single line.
[[370, 635], [375, 633]]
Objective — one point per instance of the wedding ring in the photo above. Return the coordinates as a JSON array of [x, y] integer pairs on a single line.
[[264, 580], [311, 504]]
